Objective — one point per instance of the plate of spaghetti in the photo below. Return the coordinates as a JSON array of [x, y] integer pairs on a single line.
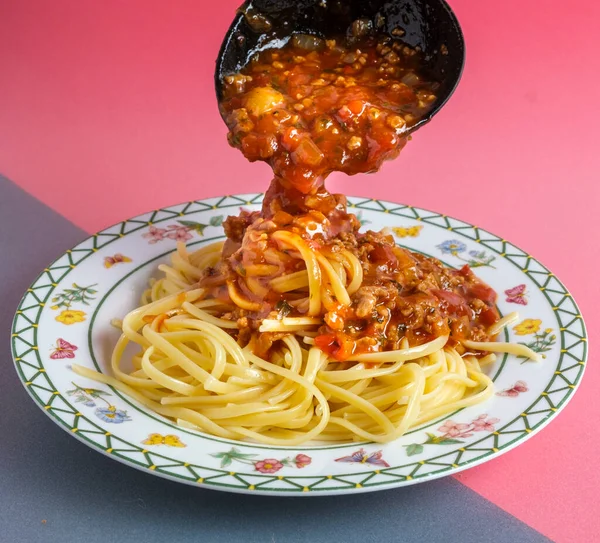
[[116, 344], [297, 341]]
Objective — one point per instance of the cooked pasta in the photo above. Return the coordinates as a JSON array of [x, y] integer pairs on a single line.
[[191, 369]]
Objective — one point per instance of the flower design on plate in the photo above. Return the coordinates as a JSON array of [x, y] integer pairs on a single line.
[[407, 231], [302, 460], [455, 429], [452, 247], [269, 465], [362, 457], [88, 397], [542, 341], [453, 432], [181, 231], [154, 234], [169, 440], [515, 390], [477, 259], [265, 465], [75, 294], [110, 261], [484, 424], [112, 414], [63, 349], [70, 316], [517, 295], [528, 326], [178, 233]]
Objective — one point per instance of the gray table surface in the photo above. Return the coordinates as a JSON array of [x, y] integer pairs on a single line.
[[55, 489]]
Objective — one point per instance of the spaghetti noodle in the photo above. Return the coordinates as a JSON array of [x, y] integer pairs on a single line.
[[192, 370]]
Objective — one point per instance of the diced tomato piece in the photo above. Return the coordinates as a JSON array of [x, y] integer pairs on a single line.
[[465, 271], [301, 177], [483, 292], [383, 254], [339, 345], [307, 152], [327, 343], [356, 107], [455, 302], [382, 139], [290, 138], [344, 113], [258, 146], [489, 316], [347, 346]]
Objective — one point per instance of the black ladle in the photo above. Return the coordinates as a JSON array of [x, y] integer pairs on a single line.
[[428, 24]]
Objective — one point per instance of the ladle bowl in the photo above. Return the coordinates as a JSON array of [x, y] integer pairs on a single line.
[[429, 25]]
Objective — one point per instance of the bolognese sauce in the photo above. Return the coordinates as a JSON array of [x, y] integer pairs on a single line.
[[309, 108], [338, 107]]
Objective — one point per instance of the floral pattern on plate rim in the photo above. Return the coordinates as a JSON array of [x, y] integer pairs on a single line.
[[542, 341], [454, 432], [477, 259], [75, 294], [181, 232], [88, 397], [263, 465]]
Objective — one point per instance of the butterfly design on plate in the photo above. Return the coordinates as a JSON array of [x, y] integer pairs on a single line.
[[516, 295], [361, 457], [407, 231], [158, 439], [515, 390], [110, 261], [63, 349]]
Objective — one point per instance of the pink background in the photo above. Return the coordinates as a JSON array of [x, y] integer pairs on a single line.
[[107, 110]]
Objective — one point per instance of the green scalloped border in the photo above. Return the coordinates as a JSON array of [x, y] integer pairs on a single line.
[[520, 427]]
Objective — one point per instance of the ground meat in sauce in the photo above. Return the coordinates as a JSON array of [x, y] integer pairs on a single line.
[[235, 227], [403, 295], [422, 298]]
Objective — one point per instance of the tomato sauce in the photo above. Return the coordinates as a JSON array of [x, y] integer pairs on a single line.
[[336, 108], [309, 108]]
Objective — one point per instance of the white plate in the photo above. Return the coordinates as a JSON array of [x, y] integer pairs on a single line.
[[65, 316]]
